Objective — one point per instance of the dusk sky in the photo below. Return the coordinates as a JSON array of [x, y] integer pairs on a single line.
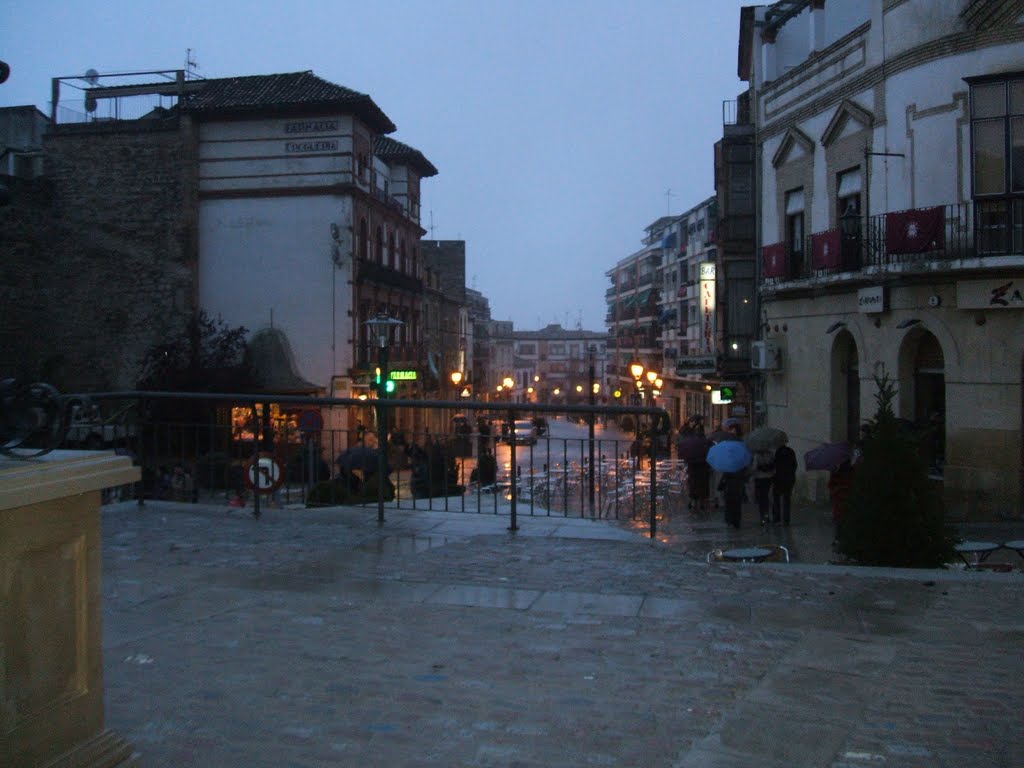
[[557, 126]]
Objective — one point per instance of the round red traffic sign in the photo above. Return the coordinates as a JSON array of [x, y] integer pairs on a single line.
[[263, 473]]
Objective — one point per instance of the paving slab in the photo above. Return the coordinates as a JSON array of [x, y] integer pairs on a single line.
[[317, 637]]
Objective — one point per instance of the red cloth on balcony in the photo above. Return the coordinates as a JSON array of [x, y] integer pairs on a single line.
[[774, 260], [825, 250], [915, 231]]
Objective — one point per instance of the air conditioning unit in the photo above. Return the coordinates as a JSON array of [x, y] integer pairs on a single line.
[[765, 356]]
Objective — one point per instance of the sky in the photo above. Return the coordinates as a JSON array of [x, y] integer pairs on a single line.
[[560, 128]]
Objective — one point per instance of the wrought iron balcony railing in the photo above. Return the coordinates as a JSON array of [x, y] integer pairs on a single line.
[[892, 240]]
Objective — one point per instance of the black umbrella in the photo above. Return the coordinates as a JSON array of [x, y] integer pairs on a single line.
[[693, 447], [362, 458], [827, 456]]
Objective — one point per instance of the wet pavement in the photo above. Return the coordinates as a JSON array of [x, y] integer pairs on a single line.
[[316, 638]]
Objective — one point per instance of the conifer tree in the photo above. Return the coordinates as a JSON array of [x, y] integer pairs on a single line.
[[894, 514]]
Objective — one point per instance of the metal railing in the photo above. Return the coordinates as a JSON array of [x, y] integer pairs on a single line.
[[967, 230], [223, 448]]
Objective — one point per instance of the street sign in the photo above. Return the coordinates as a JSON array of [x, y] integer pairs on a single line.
[[263, 473]]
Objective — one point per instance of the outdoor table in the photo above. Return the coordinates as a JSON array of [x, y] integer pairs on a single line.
[[747, 554], [974, 553], [1016, 545]]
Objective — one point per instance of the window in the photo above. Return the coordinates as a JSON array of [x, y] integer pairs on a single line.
[[795, 232], [401, 257], [364, 240], [391, 250], [379, 255], [848, 208], [997, 137]]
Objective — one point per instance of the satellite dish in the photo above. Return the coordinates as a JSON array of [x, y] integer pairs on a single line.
[[90, 103], [92, 76], [5, 71]]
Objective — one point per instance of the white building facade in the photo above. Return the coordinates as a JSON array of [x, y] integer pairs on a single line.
[[890, 153]]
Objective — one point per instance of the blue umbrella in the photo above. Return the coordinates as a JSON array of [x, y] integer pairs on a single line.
[[729, 456]]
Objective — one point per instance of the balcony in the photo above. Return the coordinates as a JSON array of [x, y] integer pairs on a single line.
[[949, 237], [372, 272]]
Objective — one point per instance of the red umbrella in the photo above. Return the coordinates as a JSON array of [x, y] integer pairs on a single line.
[[827, 456]]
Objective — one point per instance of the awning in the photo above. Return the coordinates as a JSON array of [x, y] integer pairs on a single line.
[[274, 364]]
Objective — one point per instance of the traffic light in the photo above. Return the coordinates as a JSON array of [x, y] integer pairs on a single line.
[[388, 387]]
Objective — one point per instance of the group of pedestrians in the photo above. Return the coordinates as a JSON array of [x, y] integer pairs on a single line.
[[773, 475]]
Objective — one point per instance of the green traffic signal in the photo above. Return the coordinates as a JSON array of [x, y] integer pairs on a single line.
[[389, 387]]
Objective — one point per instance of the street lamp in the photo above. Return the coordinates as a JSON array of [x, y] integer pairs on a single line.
[[509, 384], [456, 379], [381, 326]]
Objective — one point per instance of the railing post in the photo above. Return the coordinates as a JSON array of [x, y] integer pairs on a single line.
[[512, 468], [257, 437], [654, 491]]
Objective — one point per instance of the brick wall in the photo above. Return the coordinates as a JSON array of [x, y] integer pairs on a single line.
[[98, 258]]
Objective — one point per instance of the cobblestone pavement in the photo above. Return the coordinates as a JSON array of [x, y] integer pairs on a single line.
[[316, 638]]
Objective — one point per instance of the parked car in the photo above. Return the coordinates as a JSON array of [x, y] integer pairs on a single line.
[[523, 432]]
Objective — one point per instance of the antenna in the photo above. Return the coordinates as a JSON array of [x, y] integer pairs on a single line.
[[431, 227], [190, 64], [669, 194]]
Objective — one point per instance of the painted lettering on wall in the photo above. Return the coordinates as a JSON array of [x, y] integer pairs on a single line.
[[311, 126], [324, 145]]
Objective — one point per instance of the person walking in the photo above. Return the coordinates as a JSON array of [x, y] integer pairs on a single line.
[[733, 486], [782, 485], [764, 472]]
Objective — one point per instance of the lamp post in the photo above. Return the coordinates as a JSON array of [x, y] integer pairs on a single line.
[[381, 326], [509, 385], [456, 380]]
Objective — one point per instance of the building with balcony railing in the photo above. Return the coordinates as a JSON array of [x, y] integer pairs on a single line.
[[891, 219], [554, 364], [274, 202]]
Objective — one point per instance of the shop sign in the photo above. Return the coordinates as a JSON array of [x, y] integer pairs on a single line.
[[870, 300], [402, 375], [703, 364]]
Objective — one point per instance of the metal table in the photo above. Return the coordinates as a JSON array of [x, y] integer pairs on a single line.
[[974, 553], [748, 554]]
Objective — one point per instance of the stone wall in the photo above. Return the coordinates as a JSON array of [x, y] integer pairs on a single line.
[[99, 257]]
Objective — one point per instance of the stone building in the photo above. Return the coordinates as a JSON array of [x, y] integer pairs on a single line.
[[890, 209], [272, 201], [552, 365]]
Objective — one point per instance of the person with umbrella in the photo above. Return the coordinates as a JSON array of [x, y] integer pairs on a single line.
[[782, 487], [692, 448], [731, 458]]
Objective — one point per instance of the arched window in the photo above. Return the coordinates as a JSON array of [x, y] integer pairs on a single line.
[[401, 256], [379, 255], [364, 240], [391, 250]]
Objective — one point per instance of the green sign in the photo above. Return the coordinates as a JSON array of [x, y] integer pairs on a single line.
[[403, 375]]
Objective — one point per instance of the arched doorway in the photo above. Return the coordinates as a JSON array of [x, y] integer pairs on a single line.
[[845, 378], [927, 403]]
